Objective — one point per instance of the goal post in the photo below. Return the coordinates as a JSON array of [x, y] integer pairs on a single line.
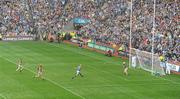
[[144, 60], [139, 58]]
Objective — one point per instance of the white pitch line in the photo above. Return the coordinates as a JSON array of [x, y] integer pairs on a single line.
[[53, 82]]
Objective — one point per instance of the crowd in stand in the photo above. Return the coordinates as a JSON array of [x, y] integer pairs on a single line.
[[110, 21], [11, 20], [166, 34]]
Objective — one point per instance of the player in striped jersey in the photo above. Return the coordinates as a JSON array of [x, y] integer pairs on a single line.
[[19, 65], [39, 71]]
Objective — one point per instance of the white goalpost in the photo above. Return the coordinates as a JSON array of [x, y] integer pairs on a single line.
[[148, 61], [153, 32]]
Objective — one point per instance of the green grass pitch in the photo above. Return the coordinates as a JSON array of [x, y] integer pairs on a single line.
[[103, 78]]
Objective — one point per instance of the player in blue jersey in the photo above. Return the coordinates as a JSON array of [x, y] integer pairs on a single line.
[[78, 72]]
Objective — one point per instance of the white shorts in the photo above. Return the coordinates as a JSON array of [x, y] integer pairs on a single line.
[[77, 72], [20, 67], [125, 70], [39, 73]]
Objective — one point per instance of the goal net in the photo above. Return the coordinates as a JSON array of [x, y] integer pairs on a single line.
[[146, 61]]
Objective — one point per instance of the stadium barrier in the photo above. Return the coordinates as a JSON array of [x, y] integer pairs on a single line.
[[175, 68], [15, 38], [100, 47], [75, 42]]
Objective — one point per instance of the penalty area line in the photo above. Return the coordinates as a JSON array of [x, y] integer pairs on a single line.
[[51, 81]]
